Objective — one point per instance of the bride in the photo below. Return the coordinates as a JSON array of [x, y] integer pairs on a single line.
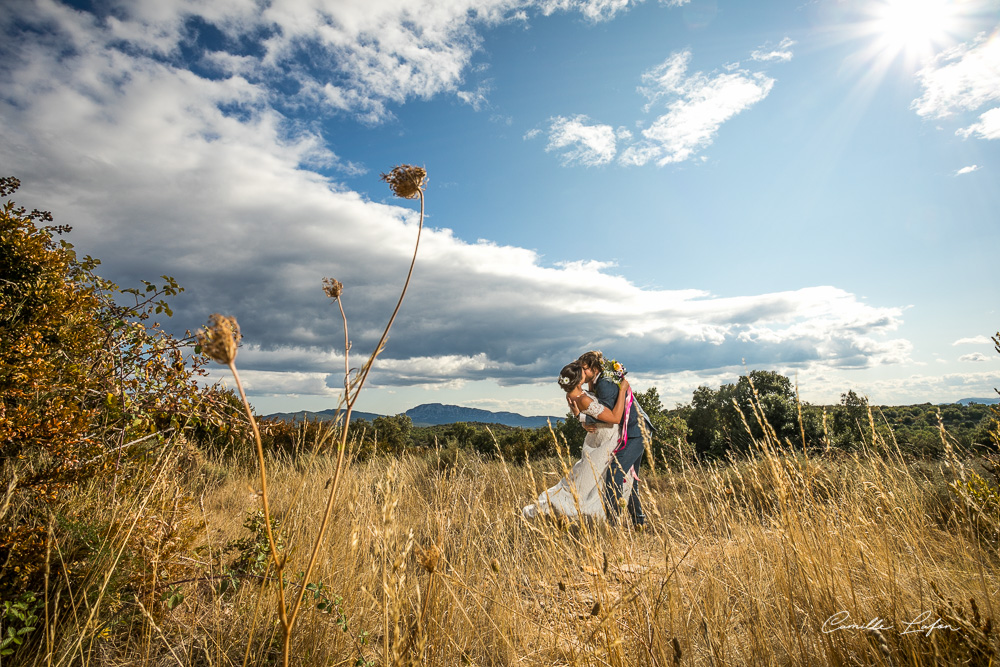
[[582, 491]]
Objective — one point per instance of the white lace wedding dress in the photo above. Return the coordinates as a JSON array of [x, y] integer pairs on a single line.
[[586, 478]]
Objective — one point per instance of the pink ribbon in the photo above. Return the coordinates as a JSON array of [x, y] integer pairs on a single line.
[[623, 434]]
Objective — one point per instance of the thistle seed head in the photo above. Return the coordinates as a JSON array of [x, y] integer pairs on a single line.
[[333, 288], [429, 557], [220, 339], [406, 181]]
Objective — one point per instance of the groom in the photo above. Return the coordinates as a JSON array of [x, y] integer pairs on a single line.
[[631, 455]]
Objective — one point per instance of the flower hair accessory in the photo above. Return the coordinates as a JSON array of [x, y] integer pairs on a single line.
[[563, 380], [613, 371]]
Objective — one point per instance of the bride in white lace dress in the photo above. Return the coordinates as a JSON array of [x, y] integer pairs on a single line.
[[582, 492]]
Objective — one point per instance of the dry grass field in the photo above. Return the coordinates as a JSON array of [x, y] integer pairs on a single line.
[[783, 559], [148, 554]]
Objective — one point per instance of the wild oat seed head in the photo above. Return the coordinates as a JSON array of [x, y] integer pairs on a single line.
[[406, 181], [333, 287], [220, 339]]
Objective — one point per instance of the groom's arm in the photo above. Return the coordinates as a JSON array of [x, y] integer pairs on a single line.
[[606, 392]]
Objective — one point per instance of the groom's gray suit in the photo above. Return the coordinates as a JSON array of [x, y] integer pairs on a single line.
[[606, 392]]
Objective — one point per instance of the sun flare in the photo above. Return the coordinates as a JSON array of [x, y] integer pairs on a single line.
[[914, 28]]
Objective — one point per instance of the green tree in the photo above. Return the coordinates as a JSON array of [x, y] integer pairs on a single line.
[[732, 418], [851, 425], [669, 439], [703, 423], [571, 431], [994, 429], [392, 434]]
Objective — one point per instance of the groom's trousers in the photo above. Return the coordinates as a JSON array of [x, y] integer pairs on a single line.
[[630, 456]]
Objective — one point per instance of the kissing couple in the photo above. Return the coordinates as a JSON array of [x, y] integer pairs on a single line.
[[605, 479]]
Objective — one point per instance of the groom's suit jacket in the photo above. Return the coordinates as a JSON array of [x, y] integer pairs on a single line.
[[606, 392]]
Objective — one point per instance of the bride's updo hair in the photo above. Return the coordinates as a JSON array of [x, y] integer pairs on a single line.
[[571, 376], [593, 359]]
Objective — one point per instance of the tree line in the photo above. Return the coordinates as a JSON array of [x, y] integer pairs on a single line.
[[716, 424]]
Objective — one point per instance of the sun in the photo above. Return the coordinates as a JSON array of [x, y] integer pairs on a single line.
[[914, 29]]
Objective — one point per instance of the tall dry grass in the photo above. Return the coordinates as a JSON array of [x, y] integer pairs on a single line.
[[780, 559], [783, 559]]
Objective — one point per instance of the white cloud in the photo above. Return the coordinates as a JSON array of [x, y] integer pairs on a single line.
[[783, 52], [973, 340], [204, 196], [826, 387], [974, 356], [964, 78], [476, 98], [364, 55], [595, 10], [161, 171], [988, 126], [697, 105], [967, 170], [700, 104], [598, 10], [579, 142]]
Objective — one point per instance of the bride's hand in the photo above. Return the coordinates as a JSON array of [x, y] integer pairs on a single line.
[[625, 385]]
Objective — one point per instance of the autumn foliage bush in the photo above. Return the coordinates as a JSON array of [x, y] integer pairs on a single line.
[[90, 385]]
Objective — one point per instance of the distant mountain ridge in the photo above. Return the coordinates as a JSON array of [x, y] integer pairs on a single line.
[[431, 414], [322, 415], [981, 401]]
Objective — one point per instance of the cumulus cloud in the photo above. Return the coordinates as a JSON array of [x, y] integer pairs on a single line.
[[164, 171], [967, 170], [962, 79], [362, 56], [781, 53], [212, 210], [580, 142], [826, 387], [974, 356]]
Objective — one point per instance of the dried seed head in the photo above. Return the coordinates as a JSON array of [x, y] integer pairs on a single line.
[[220, 338], [596, 609], [406, 181], [429, 557], [495, 565], [333, 288]]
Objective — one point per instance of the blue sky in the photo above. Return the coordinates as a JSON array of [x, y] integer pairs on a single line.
[[696, 188]]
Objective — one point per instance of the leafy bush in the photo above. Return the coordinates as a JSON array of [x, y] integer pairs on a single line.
[[88, 379]]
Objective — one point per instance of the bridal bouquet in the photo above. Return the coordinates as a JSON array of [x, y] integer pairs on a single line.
[[614, 371]]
